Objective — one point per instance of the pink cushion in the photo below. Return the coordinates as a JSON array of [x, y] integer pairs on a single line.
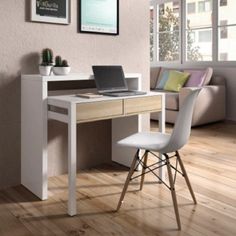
[[196, 78]]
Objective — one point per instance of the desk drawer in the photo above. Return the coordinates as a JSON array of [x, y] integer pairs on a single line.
[[98, 110], [144, 104]]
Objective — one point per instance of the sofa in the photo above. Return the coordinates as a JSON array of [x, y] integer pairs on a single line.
[[210, 104]]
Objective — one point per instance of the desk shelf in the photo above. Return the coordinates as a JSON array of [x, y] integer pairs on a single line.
[[35, 90]]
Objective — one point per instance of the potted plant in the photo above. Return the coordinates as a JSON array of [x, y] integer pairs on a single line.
[[45, 67], [61, 67]]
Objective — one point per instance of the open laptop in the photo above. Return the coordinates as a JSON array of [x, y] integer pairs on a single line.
[[110, 81]]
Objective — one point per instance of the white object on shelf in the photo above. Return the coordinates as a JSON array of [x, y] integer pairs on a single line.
[[45, 70], [61, 70]]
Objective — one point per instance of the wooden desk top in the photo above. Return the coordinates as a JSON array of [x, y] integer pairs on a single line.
[[105, 107]]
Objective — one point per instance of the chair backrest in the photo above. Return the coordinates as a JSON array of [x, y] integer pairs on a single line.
[[182, 127]]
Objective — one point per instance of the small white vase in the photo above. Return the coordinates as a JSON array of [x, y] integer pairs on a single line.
[[45, 70], [61, 70]]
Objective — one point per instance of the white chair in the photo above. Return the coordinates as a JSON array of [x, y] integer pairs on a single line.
[[164, 144]]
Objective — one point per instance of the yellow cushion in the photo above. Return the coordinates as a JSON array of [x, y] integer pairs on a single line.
[[176, 80]]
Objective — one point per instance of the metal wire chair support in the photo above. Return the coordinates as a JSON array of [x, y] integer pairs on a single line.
[[151, 170]]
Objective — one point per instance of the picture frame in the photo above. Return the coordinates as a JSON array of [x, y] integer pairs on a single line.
[[51, 11], [98, 17]]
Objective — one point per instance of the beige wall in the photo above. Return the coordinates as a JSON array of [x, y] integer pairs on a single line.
[[20, 43]]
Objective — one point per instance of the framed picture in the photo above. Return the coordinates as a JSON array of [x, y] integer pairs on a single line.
[[99, 17], [51, 11]]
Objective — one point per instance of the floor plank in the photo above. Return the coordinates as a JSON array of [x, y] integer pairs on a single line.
[[210, 160]]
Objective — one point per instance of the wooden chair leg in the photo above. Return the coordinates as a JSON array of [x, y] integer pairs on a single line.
[[143, 170], [173, 194], [131, 171], [186, 178]]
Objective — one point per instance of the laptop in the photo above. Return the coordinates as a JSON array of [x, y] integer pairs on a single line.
[[110, 81]]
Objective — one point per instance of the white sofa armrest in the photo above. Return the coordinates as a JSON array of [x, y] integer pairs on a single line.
[[209, 106]]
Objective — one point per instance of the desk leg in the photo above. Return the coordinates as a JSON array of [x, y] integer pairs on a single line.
[[162, 127], [72, 160]]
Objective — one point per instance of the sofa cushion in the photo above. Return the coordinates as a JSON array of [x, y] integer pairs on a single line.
[[196, 78], [162, 70], [163, 77], [176, 80], [172, 99]]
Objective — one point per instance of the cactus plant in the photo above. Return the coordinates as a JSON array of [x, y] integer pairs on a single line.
[[58, 61], [65, 63], [61, 66], [47, 57]]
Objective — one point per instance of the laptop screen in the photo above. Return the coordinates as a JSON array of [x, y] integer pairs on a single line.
[[109, 78]]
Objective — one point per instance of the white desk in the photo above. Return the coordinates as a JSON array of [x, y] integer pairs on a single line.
[[35, 94], [73, 110]]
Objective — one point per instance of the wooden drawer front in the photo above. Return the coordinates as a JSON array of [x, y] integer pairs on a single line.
[[144, 104], [98, 110]]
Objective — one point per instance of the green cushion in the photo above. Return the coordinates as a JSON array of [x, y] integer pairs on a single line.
[[176, 80]]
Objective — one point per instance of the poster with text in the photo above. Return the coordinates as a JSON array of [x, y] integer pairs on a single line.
[[51, 11]]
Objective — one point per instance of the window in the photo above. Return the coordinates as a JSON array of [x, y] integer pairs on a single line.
[[199, 49], [168, 31], [227, 30], [228, 45], [191, 7], [204, 6], [223, 3], [223, 30], [223, 56], [192, 36], [204, 36], [175, 7], [208, 24], [201, 6], [151, 34]]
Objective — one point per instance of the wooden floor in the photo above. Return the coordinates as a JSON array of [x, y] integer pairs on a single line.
[[210, 159]]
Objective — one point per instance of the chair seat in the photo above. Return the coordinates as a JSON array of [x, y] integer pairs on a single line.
[[146, 140]]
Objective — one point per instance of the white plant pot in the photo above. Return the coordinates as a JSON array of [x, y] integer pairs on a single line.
[[61, 70], [45, 70]]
